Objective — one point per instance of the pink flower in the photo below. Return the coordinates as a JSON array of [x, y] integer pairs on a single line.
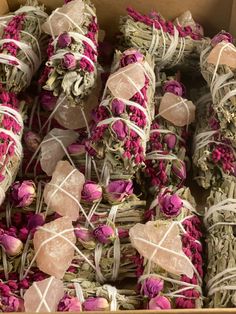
[[170, 205], [104, 234], [11, 245], [47, 100], [159, 303], [170, 140], [11, 303], [35, 221], [151, 287], [32, 140], [68, 62], [64, 40], [174, 87], [179, 169], [92, 192], [76, 149], [131, 56], [23, 193], [222, 36], [120, 129], [95, 304], [118, 107], [118, 190], [69, 304], [83, 234]]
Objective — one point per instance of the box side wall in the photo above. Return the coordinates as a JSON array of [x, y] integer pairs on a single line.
[[3, 7], [232, 27]]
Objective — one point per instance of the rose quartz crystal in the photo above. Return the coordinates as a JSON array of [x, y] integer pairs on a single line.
[[127, 81], [53, 148], [181, 114], [58, 22], [166, 234], [186, 19], [54, 256], [65, 199], [44, 296], [227, 57]]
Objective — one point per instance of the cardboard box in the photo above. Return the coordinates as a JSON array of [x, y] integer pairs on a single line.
[[214, 15]]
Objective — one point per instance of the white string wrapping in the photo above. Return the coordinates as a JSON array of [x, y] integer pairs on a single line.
[[79, 292], [43, 296], [112, 294]]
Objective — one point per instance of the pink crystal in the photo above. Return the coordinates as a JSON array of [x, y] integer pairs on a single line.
[[227, 57], [179, 115], [65, 201], [144, 238], [53, 148], [44, 296], [186, 19], [55, 256], [60, 23], [127, 81]]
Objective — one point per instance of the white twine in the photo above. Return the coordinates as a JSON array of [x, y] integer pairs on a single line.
[[160, 155], [112, 294], [43, 296], [35, 10], [79, 292]]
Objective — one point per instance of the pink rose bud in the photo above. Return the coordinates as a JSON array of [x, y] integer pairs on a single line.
[[118, 190], [64, 40], [174, 87], [32, 140], [222, 36], [131, 56], [35, 221], [69, 62], [76, 149], [11, 245], [120, 129], [70, 304], [104, 234], [152, 287], [170, 205], [11, 304], [118, 107], [159, 303], [92, 192], [179, 169], [23, 193], [83, 234], [170, 140], [47, 100], [95, 304]]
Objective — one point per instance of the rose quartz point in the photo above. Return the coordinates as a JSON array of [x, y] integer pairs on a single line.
[[55, 256], [44, 296], [65, 201], [127, 81], [186, 19], [227, 57], [53, 148], [144, 238], [181, 114]]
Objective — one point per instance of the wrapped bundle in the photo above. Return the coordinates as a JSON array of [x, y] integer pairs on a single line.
[[214, 156], [172, 251], [22, 46], [220, 220], [71, 68], [166, 149], [169, 44], [123, 118], [218, 68]]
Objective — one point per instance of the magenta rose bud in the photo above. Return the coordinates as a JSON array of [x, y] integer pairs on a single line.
[[76, 149], [118, 190], [170, 205], [70, 304], [131, 56], [95, 304], [179, 169], [118, 107], [159, 303], [104, 234], [47, 100], [23, 193], [92, 192], [120, 129], [152, 287], [32, 140], [173, 87], [64, 40], [35, 221], [222, 36], [170, 140], [69, 62], [83, 234], [11, 245]]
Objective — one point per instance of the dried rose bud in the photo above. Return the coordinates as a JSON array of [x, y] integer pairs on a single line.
[[118, 190], [118, 107], [32, 140], [130, 56], [11, 245], [47, 100], [64, 40], [35, 221], [120, 129], [95, 304], [76, 149], [222, 36], [173, 87], [69, 304], [170, 140], [92, 192], [104, 234], [159, 303], [151, 287], [179, 169], [69, 62], [83, 234], [23, 193], [11, 304], [170, 205]]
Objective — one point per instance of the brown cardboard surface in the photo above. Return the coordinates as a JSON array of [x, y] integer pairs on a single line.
[[232, 27], [3, 7]]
